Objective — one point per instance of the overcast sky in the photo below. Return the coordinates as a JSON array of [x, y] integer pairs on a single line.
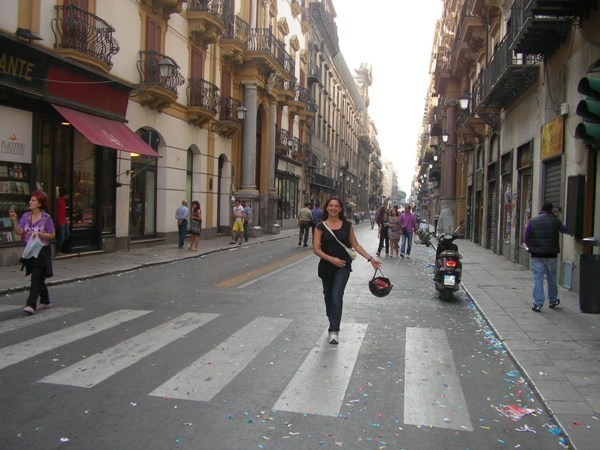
[[396, 38]]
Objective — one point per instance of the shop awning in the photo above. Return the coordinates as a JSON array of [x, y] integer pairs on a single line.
[[106, 132]]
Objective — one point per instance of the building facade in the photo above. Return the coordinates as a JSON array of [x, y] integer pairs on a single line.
[[499, 134], [134, 106]]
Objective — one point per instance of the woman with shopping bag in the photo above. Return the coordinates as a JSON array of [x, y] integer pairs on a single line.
[[36, 225]]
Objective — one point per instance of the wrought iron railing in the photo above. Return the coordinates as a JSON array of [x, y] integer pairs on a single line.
[[263, 40], [236, 29], [322, 180], [501, 60], [228, 108], [149, 70], [76, 29], [203, 94], [303, 95], [214, 7]]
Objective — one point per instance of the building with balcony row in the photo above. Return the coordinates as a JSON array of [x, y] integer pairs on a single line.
[[133, 106], [500, 129]]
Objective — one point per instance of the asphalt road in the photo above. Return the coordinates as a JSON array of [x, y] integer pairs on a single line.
[[228, 351]]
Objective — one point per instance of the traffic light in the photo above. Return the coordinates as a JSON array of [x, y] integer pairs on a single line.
[[589, 109]]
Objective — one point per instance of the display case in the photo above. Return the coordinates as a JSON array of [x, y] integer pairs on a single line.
[[15, 190]]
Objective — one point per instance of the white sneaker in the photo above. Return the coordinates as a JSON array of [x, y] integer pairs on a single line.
[[333, 337]]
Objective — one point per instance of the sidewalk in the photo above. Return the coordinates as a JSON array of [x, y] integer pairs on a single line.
[[558, 350]]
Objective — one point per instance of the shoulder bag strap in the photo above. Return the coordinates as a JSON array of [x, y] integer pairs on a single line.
[[333, 234]]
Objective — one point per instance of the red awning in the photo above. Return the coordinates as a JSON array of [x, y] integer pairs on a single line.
[[106, 132]]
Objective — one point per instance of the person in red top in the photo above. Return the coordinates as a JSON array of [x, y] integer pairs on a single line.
[[62, 227], [408, 222]]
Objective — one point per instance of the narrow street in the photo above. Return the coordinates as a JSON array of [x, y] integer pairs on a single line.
[[228, 351]]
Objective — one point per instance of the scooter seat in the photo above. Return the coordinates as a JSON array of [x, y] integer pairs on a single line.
[[450, 254]]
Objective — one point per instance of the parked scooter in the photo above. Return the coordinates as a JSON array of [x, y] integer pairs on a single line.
[[448, 267]]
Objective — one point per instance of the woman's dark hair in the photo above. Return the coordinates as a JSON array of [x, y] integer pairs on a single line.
[[41, 197], [196, 203], [326, 214]]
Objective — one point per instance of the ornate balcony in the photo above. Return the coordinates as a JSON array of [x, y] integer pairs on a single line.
[[303, 104], [228, 122], [84, 37], [155, 90], [203, 101], [505, 79], [234, 42], [166, 7], [469, 42], [266, 50], [286, 90], [283, 141], [544, 25], [205, 20]]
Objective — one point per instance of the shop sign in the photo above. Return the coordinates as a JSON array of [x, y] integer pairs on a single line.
[[15, 135], [552, 138], [21, 66]]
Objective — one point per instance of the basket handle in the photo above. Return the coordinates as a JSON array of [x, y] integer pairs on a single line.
[[378, 270]]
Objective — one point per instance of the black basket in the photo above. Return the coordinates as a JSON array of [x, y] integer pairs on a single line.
[[380, 286]]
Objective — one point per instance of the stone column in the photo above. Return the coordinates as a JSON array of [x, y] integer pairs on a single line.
[[448, 181], [272, 225], [248, 188]]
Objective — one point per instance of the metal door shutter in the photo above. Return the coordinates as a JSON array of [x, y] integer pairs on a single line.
[[492, 216], [552, 182]]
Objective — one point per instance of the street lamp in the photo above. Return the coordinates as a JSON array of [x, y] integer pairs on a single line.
[[463, 100], [166, 67], [241, 112]]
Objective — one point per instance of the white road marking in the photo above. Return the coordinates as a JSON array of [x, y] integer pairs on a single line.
[[14, 354], [99, 367], [432, 393], [204, 378], [22, 322], [320, 384]]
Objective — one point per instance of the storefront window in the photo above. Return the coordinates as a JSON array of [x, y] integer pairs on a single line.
[[287, 198], [84, 179], [143, 197]]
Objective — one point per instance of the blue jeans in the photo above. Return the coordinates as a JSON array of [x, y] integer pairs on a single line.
[[62, 234], [333, 290], [541, 267], [403, 246], [182, 232]]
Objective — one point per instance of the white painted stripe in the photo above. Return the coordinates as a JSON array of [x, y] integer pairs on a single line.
[[20, 352], [4, 308], [432, 393], [22, 322], [281, 269], [204, 378], [99, 367], [319, 386]]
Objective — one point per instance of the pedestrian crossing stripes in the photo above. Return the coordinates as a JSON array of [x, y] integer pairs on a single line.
[[212, 372], [320, 384], [432, 392], [18, 323], [20, 352], [101, 366]]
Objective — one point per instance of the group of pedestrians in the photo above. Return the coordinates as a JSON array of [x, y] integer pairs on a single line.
[[334, 242], [396, 230]]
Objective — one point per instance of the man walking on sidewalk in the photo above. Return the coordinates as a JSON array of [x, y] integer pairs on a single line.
[[181, 216], [541, 238], [304, 218]]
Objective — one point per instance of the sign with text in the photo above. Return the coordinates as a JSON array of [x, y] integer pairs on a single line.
[[15, 135], [552, 138]]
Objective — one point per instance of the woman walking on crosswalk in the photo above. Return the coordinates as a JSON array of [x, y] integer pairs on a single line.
[[333, 236], [36, 223]]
